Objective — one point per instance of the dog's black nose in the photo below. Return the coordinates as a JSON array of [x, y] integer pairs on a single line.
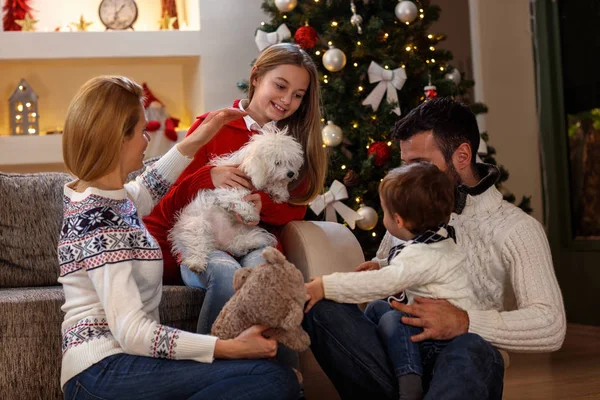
[[291, 174]]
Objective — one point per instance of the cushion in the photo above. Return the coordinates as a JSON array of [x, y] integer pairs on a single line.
[[31, 211], [30, 335]]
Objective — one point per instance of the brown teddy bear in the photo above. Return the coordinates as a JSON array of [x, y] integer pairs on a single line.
[[271, 294]]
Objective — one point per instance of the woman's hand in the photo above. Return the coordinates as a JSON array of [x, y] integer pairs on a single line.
[[248, 344], [368, 266], [315, 292], [230, 177], [213, 122]]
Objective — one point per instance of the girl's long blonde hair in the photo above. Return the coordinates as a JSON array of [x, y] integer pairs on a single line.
[[103, 112], [305, 124]]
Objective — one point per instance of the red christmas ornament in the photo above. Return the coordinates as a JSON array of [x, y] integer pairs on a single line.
[[306, 36], [14, 10], [170, 125], [381, 153], [430, 92], [153, 126]]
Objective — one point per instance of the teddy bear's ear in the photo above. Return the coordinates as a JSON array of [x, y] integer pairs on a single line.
[[240, 276], [273, 256]]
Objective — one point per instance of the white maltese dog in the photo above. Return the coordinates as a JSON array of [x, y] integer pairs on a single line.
[[219, 219]]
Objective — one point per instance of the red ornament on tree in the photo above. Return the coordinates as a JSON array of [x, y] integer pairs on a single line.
[[430, 92], [306, 36], [381, 153], [14, 10]]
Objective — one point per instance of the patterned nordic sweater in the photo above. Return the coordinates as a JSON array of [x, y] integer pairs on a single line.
[[111, 271], [509, 261]]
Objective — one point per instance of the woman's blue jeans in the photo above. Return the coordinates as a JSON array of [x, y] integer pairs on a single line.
[[217, 281], [124, 376]]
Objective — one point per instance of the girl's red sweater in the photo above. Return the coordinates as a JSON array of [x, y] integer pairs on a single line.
[[197, 177]]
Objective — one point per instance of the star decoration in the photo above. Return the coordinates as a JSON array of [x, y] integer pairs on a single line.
[[27, 23], [166, 22], [82, 25]]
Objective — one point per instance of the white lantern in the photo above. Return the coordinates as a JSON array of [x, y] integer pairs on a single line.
[[23, 110]]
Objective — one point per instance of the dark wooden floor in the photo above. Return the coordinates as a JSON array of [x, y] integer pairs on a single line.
[[573, 372]]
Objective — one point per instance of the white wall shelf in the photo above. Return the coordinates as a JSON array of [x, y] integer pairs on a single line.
[[110, 44], [18, 150], [47, 149]]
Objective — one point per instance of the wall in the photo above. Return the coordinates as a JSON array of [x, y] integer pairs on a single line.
[[491, 43], [57, 81], [504, 73], [61, 13], [454, 23], [189, 86]]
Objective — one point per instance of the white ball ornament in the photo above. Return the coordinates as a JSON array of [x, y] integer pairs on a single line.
[[406, 11], [453, 76], [334, 59], [369, 218], [286, 5], [332, 134]]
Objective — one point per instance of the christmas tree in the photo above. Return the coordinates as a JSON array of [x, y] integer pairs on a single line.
[[15, 10], [377, 60]]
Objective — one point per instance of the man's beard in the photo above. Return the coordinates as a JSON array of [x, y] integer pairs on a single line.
[[453, 174]]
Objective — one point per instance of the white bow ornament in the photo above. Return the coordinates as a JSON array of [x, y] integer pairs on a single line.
[[389, 80], [264, 39], [330, 201]]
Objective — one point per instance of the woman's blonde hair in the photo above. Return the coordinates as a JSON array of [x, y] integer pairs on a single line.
[[104, 112], [305, 124]]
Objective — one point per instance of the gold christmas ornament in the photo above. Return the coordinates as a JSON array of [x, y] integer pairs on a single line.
[[369, 218], [27, 23], [334, 59], [82, 24], [406, 11], [286, 5], [166, 22]]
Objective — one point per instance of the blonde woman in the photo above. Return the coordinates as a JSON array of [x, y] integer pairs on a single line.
[[111, 267]]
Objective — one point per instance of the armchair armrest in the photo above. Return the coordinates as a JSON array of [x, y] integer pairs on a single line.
[[320, 248]]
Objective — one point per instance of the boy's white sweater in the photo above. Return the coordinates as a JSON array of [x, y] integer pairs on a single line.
[[434, 270]]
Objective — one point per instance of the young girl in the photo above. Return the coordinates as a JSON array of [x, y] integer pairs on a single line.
[[284, 90], [113, 344]]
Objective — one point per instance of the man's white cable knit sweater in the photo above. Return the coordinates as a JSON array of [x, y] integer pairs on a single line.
[[111, 271], [509, 261]]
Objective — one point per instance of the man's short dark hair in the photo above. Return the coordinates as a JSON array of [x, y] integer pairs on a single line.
[[421, 194], [451, 122]]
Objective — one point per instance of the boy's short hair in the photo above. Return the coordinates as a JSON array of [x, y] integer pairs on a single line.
[[421, 194]]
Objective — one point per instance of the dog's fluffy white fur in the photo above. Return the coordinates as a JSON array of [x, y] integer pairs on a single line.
[[272, 159]]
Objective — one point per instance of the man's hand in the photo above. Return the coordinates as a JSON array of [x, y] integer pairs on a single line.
[[439, 319], [368, 266], [315, 292]]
